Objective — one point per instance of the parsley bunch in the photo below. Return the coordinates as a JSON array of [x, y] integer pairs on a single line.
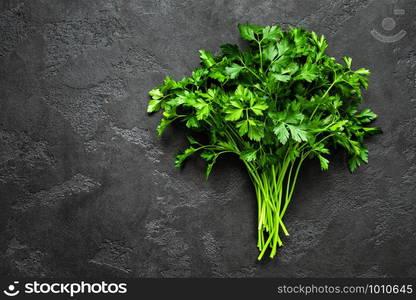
[[275, 104]]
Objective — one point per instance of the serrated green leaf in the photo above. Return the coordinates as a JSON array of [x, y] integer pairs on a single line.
[[207, 155], [281, 77], [169, 83], [323, 162], [187, 98], [154, 106], [212, 94], [218, 75], [367, 116], [355, 147], [283, 47], [207, 58], [242, 93], [156, 94], [209, 169], [258, 108], [297, 133], [321, 148], [199, 74], [231, 51], [292, 117], [236, 104], [271, 33], [363, 72], [169, 112], [364, 154], [246, 32], [270, 52], [242, 127], [255, 132], [309, 72], [348, 61], [299, 37], [372, 130], [282, 133], [338, 125], [278, 65], [181, 157], [233, 114], [185, 82], [291, 69], [233, 70], [353, 163], [248, 155], [174, 102], [162, 126], [278, 116], [203, 110]]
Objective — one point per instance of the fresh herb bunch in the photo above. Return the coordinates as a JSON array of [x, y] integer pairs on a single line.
[[275, 104]]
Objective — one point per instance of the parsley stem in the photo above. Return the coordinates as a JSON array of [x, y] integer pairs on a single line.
[[247, 68], [265, 245], [269, 189], [323, 96], [293, 186], [261, 57]]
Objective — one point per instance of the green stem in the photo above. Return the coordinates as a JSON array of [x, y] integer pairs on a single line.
[[251, 71], [274, 187], [265, 246], [261, 57], [277, 195], [274, 60], [293, 183], [269, 191], [289, 176], [323, 96]]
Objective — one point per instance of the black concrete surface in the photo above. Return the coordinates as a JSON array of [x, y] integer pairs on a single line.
[[88, 189]]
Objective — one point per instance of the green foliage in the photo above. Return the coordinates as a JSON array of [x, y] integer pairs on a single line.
[[275, 104]]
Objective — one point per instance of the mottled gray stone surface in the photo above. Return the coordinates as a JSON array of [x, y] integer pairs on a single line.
[[87, 188]]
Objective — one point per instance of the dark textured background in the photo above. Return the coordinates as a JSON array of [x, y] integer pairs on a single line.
[[87, 188]]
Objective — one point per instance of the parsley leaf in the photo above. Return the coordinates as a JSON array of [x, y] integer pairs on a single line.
[[207, 58], [233, 70], [282, 133], [247, 32]]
